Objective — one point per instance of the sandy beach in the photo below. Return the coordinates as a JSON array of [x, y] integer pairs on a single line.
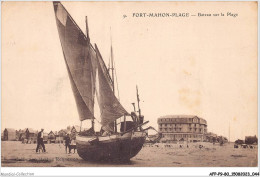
[[16, 154]]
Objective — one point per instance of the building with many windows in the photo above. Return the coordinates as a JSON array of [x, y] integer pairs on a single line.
[[182, 128]]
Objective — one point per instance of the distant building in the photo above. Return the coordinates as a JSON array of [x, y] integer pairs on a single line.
[[22, 135], [19, 134], [9, 134], [62, 133], [51, 136], [182, 128], [211, 137], [73, 130], [31, 135]]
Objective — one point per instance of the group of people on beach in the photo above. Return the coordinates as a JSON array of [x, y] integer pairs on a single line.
[[69, 143]]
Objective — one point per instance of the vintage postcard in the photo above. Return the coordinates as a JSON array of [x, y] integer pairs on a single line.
[[129, 84]]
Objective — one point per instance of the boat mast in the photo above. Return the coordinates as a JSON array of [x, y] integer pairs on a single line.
[[138, 100], [88, 39], [113, 77], [87, 33], [112, 68]]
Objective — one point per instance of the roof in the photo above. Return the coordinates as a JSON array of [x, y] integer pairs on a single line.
[[56, 133], [181, 119], [31, 130], [51, 132], [64, 130], [10, 130], [178, 116], [76, 127]]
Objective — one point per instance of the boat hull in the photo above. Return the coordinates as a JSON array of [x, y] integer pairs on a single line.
[[111, 148]]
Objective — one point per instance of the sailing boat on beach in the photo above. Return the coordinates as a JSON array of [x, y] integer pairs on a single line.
[[89, 76]]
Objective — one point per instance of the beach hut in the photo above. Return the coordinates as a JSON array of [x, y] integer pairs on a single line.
[[17, 135], [31, 135], [51, 137], [61, 135], [20, 134], [45, 137], [9, 134], [58, 139]]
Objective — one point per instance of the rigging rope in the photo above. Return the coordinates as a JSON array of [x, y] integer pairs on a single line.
[[155, 140]]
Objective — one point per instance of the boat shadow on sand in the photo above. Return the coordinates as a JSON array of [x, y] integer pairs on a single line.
[[106, 162]]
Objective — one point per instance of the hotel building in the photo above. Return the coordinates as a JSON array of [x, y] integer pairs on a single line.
[[182, 128]]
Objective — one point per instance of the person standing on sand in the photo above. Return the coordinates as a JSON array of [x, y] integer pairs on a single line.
[[40, 141], [67, 142]]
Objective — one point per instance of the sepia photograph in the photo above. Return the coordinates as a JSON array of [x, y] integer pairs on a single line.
[[129, 84]]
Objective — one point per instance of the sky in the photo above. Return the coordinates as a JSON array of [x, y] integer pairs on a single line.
[[204, 66]]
